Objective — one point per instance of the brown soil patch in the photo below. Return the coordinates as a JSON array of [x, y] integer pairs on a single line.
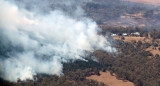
[[110, 80], [153, 2], [130, 39], [153, 51]]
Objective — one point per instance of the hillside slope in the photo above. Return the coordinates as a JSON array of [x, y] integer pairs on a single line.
[[153, 2]]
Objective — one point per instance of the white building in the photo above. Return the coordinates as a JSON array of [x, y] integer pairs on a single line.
[[125, 34], [136, 34], [113, 35]]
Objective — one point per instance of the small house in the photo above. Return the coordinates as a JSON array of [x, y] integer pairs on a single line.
[[125, 34], [113, 35], [135, 34]]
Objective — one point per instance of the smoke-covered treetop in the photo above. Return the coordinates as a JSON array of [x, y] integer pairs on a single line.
[[36, 42]]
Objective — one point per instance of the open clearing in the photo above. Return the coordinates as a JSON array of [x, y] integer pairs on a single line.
[[130, 39], [154, 52], [110, 80]]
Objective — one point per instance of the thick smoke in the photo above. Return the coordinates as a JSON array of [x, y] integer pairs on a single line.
[[34, 43]]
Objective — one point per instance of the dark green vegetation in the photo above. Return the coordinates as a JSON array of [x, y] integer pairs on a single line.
[[155, 34], [135, 65], [74, 75], [132, 63], [120, 30]]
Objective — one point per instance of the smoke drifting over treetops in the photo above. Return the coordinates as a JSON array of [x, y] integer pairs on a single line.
[[35, 42]]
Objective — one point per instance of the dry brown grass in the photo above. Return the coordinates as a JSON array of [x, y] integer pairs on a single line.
[[143, 40], [130, 39], [110, 80], [153, 51]]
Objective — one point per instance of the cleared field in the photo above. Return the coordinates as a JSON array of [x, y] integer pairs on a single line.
[[130, 39], [110, 80]]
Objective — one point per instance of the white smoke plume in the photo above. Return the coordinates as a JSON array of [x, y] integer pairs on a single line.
[[32, 43]]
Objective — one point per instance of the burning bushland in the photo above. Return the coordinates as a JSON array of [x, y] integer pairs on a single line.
[[34, 42]]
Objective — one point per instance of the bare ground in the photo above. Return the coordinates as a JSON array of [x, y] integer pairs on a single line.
[[130, 39], [153, 51], [110, 80]]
